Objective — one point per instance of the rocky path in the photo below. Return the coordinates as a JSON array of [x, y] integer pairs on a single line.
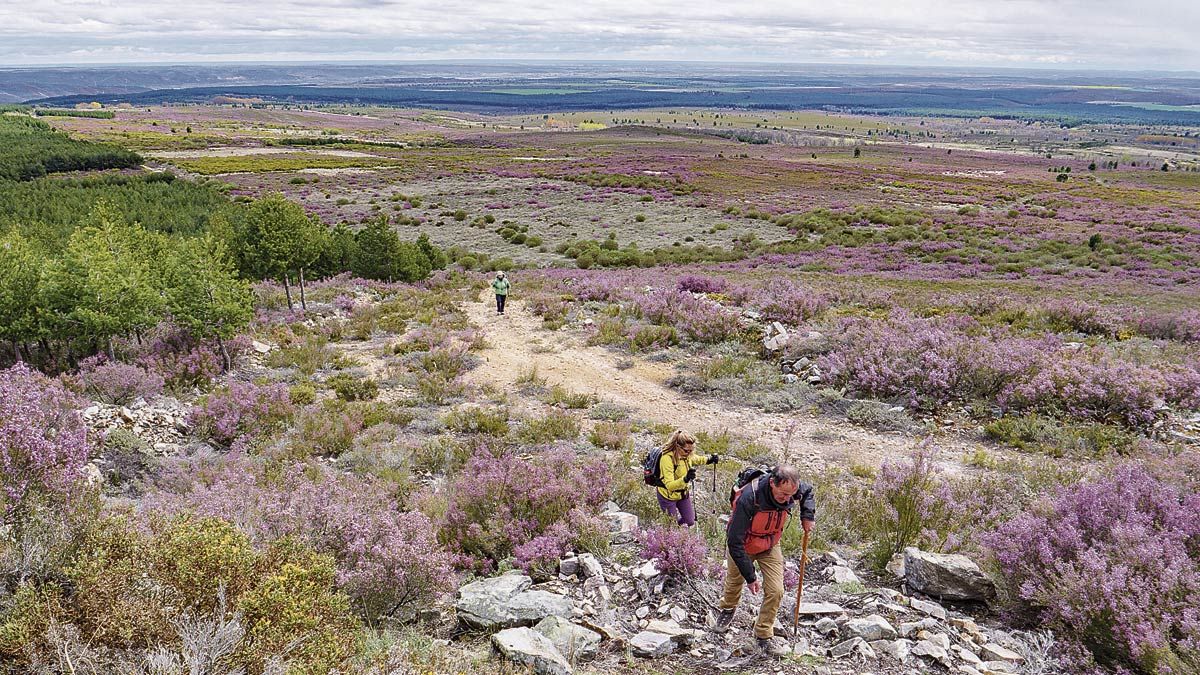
[[517, 343]]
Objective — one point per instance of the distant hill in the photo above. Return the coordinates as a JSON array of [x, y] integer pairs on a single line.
[[1063, 96]]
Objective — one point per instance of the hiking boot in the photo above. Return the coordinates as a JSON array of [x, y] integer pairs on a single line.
[[772, 647], [724, 620]]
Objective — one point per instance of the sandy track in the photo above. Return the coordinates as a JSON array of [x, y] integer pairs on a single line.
[[517, 342]]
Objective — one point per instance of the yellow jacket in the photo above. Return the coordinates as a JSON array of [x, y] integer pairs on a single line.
[[673, 473]]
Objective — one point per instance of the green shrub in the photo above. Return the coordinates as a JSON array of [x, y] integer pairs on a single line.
[[876, 415], [294, 610], [555, 425], [561, 397], [351, 388], [441, 455], [307, 357], [610, 435], [477, 420], [302, 393], [325, 430]]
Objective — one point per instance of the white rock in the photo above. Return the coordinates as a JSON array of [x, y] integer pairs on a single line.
[[648, 644], [869, 628], [819, 608], [994, 652], [574, 642], [940, 639], [826, 626], [942, 575], [931, 608], [648, 571], [678, 614], [532, 649], [897, 649], [931, 650], [589, 566], [260, 347], [841, 575], [909, 628], [642, 612]]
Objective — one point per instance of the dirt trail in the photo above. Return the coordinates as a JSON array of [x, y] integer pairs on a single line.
[[517, 342]]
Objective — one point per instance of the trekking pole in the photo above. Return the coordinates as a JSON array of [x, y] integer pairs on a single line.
[[800, 586]]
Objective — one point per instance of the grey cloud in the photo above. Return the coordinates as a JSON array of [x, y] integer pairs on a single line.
[[1092, 33]]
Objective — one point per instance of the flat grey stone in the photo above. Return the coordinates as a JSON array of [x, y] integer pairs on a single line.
[[651, 645], [573, 641], [531, 649], [819, 608], [869, 628], [931, 608], [949, 576]]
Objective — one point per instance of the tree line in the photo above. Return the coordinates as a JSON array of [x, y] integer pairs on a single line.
[[30, 148]]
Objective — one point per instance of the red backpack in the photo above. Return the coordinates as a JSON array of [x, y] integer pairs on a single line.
[[767, 525]]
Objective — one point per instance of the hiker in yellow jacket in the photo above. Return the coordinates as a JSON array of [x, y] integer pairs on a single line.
[[677, 468]]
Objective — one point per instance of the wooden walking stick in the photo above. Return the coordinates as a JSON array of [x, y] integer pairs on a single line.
[[800, 586]]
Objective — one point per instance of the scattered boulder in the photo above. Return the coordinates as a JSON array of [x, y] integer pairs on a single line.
[[648, 644], [934, 651], [853, 646], [950, 576], [819, 608], [840, 574], [994, 652], [572, 641], [569, 565], [589, 566], [505, 602], [931, 608], [531, 649], [870, 628], [897, 649]]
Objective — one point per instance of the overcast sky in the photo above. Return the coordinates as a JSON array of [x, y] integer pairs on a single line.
[[1116, 34]]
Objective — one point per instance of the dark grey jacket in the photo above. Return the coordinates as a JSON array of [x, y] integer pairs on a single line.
[[755, 498]]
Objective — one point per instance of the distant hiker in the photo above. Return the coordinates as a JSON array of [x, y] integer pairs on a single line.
[[762, 503], [676, 471], [500, 286]]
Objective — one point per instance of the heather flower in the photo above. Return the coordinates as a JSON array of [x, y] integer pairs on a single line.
[[113, 381], [241, 412], [1112, 563], [499, 503], [386, 558], [43, 443], [674, 550]]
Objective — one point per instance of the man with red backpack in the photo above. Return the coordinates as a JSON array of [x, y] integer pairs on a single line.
[[762, 505]]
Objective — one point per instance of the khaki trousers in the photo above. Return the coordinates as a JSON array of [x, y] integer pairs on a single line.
[[770, 565]]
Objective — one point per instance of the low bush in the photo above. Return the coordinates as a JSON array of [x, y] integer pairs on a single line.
[[675, 550], [307, 357], [501, 502], [114, 382], [610, 435], [561, 397], [241, 413], [477, 420], [555, 425], [1112, 565], [351, 388], [386, 559]]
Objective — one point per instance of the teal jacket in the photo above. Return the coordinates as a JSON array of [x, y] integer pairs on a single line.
[[500, 286]]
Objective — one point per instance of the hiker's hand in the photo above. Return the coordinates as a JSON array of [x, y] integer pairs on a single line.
[[807, 525], [755, 587], [691, 476], [713, 459]]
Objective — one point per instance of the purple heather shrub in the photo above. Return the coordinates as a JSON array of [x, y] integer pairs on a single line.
[[1066, 314], [344, 303], [43, 443], [1091, 384], [386, 557], [675, 550], [1114, 564], [539, 556], [241, 413], [182, 361], [114, 382], [499, 503], [788, 302], [697, 284], [1184, 326]]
